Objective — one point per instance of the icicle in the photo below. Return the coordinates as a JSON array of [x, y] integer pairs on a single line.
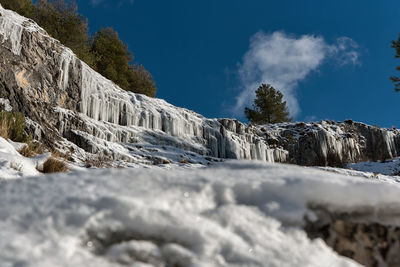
[[12, 27], [67, 57], [11, 31], [388, 137]]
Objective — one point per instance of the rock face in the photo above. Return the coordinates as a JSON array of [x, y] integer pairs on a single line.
[[67, 104]]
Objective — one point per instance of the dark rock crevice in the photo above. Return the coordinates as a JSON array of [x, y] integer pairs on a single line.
[[359, 236]]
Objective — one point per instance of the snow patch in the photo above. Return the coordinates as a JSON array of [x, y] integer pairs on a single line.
[[388, 167], [6, 104], [13, 165]]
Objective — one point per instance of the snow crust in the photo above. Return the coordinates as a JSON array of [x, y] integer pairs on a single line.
[[235, 214]]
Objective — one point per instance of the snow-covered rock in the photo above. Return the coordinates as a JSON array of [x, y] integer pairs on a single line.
[[333, 143], [235, 214], [231, 214]]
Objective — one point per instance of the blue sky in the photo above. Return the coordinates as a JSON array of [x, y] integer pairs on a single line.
[[332, 59]]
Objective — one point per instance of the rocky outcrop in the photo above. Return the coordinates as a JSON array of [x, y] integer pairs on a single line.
[[330, 143]]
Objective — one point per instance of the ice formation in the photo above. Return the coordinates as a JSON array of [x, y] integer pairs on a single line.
[[102, 100], [67, 58], [11, 28]]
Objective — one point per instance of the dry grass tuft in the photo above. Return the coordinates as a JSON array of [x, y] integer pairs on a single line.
[[12, 126], [4, 129], [53, 165], [31, 149]]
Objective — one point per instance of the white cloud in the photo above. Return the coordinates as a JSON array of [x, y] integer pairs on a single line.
[[284, 60]]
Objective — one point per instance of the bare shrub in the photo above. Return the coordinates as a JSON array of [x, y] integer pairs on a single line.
[[4, 129]]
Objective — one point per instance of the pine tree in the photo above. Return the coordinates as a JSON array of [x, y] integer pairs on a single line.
[[112, 56], [113, 61], [141, 81], [62, 21], [22, 7], [268, 107], [395, 79]]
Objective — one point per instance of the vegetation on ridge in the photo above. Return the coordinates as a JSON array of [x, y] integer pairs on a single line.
[[396, 79], [23, 7]]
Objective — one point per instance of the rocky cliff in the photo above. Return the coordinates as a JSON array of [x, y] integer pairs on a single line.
[[70, 107], [332, 143]]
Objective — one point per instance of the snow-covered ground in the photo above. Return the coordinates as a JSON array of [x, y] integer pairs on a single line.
[[388, 167], [13, 165], [235, 213], [363, 174]]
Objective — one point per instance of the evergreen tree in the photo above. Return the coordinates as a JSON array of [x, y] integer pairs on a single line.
[[395, 79], [268, 107], [141, 81], [112, 61], [112, 56], [22, 7], [63, 22]]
